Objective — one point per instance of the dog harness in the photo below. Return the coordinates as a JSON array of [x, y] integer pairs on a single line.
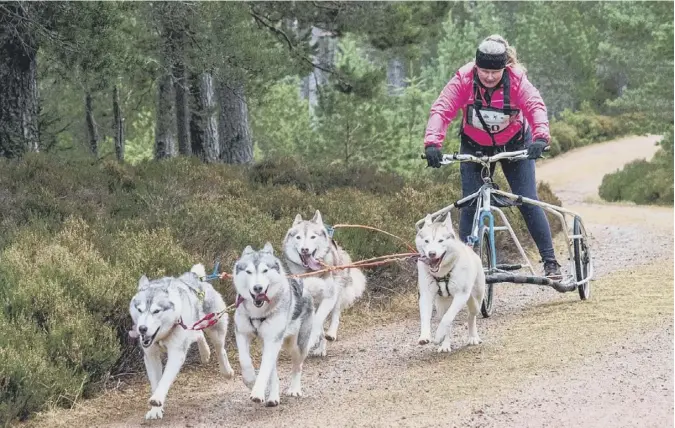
[[241, 300], [443, 283], [199, 293], [260, 321]]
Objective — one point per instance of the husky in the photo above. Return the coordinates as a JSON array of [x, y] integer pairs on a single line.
[[450, 275], [277, 310], [305, 246], [157, 310]]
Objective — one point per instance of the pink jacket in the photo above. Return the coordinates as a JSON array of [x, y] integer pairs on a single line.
[[458, 94]]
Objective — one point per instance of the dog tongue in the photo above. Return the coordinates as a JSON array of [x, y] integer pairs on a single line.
[[313, 263], [310, 262], [262, 296]]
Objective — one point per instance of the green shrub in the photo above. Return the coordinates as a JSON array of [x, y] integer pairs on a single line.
[[320, 178], [580, 128], [642, 181], [565, 136]]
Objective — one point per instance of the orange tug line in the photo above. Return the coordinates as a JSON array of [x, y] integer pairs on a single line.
[[213, 318]]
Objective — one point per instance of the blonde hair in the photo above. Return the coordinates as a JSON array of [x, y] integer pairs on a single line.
[[496, 44]]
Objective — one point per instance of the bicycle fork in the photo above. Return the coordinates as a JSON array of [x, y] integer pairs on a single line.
[[491, 234], [482, 213]]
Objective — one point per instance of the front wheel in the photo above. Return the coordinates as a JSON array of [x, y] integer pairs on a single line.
[[582, 260], [485, 247]]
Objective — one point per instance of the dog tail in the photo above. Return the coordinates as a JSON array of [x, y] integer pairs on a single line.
[[200, 270], [353, 289]]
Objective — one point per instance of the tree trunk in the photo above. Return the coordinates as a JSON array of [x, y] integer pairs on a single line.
[[204, 118], [325, 43], [118, 126], [196, 118], [19, 102], [171, 108], [92, 128], [236, 146], [182, 110], [165, 131], [396, 76], [210, 109]]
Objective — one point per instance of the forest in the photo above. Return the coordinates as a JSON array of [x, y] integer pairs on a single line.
[[139, 137]]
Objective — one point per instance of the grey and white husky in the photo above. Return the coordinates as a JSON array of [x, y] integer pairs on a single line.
[[278, 311], [307, 245], [157, 309], [450, 275]]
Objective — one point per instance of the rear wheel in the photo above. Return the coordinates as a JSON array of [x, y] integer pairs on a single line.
[[485, 246], [582, 260]]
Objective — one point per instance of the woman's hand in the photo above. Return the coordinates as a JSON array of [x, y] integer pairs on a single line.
[[536, 149], [434, 156]]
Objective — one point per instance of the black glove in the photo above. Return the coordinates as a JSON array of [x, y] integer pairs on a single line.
[[434, 156], [536, 149]]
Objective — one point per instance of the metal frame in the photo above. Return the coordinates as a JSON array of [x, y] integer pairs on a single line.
[[485, 209]]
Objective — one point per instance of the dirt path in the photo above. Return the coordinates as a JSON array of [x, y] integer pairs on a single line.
[[547, 359]]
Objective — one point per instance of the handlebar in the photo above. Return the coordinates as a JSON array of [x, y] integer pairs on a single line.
[[457, 157]]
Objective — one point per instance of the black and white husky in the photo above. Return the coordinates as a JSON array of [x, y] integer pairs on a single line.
[[157, 310], [277, 310]]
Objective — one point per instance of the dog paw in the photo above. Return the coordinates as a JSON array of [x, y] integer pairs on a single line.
[[319, 350], [155, 402], [155, 413], [229, 374], [440, 336], [423, 340], [204, 358], [444, 348], [474, 340], [272, 403], [294, 392], [257, 398]]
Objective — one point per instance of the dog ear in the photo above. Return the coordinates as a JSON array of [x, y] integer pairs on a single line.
[[317, 218], [448, 221], [427, 220], [448, 225], [268, 248], [298, 220], [143, 283], [248, 250], [189, 276]]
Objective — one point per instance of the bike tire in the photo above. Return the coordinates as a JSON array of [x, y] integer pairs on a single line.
[[484, 245], [582, 260]]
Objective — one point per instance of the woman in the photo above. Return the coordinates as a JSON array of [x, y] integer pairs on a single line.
[[502, 112]]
